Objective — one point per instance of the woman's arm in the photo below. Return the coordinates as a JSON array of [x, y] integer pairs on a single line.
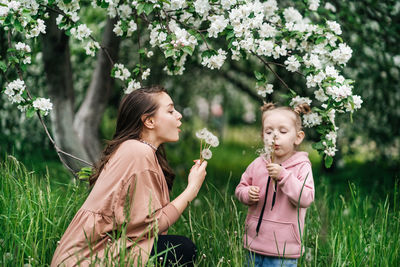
[[195, 180]]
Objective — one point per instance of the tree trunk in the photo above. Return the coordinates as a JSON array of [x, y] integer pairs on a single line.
[[57, 65], [88, 118]]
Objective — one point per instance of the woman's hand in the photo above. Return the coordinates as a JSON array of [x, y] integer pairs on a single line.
[[195, 180], [254, 194], [196, 176]]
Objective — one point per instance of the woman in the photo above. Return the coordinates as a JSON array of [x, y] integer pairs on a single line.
[[130, 192]]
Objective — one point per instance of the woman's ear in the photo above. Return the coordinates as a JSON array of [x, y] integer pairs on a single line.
[[299, 138], [148, 121]]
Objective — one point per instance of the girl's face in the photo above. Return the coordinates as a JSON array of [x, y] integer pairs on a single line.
[[166, 119], [280, 125]]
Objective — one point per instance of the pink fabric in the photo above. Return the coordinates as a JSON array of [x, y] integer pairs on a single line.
[[134, 175], [279, 233]]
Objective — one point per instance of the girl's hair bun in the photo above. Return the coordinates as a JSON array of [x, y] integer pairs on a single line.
[[267, 106], [303, 108]]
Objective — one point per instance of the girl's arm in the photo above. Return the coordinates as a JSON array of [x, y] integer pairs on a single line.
[[242, 190], [303, 184]]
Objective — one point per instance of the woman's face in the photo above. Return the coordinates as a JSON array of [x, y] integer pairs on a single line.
[[166, 119]]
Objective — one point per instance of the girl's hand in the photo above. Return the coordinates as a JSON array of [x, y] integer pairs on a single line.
[[254, 194], [196, 176], [274, 171]]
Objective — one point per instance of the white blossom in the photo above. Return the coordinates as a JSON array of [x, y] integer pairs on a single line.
[[202, 7], [146, 74], [23, 47], [15, 87], [40, 27], [125, 11], [311, 119], [118, 29], [297, 100], [313, 4], [216, 61], [81, 32], [218, 24], [357, 101], [320, 95], [91, 48], [43, 104], [330, 7], [121, 72], [132, 86], [264, 90], [132, 27], [331, 136], [342, 54], [266, 30], [334, 26], [330, 151], [292, 15], [292, 64]]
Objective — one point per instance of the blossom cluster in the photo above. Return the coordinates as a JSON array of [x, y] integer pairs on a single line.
[[210, 140], [16, 93], [250, 27]]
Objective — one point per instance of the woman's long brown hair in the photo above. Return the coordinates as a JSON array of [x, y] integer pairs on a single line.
[[133, 107]]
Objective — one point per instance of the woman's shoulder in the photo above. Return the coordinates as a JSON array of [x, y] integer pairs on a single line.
[[135, 148], [135, 154]]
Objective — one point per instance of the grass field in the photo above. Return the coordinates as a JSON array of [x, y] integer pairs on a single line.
[[349, 224]]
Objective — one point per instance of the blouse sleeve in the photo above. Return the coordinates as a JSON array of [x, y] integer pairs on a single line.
[[140, 205]]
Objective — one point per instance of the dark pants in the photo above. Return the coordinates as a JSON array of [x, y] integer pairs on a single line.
[[180, 250]]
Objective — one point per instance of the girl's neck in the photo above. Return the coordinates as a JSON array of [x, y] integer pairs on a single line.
[[280, 160]]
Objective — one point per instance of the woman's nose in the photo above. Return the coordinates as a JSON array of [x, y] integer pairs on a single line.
[[179, 117]]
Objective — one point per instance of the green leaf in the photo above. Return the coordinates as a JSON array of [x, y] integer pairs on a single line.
[[169, 53], [13, 59], [208, 53], [320, 40], [318, 146], [140, 8], [259, 75], [104, 4], [328, 161], [30, 112], [188, 50], [3, 66], [230, 35], [148, 8]]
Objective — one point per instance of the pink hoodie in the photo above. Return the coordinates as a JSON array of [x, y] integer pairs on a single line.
[[279, 231]]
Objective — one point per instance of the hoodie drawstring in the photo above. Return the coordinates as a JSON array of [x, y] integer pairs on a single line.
[[265, 201]]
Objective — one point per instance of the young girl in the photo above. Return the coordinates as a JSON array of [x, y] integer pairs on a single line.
[[274, 191]]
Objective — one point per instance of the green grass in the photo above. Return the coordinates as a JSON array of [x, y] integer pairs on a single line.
[[345, 227]]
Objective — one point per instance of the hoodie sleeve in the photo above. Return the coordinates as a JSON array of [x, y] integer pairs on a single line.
[[293, 187], [242, 190]]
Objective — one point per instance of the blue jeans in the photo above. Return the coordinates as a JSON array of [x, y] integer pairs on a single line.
[[258, 260]]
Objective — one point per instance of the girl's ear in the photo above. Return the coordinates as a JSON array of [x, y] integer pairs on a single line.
[[299, 138], [148, 121]]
